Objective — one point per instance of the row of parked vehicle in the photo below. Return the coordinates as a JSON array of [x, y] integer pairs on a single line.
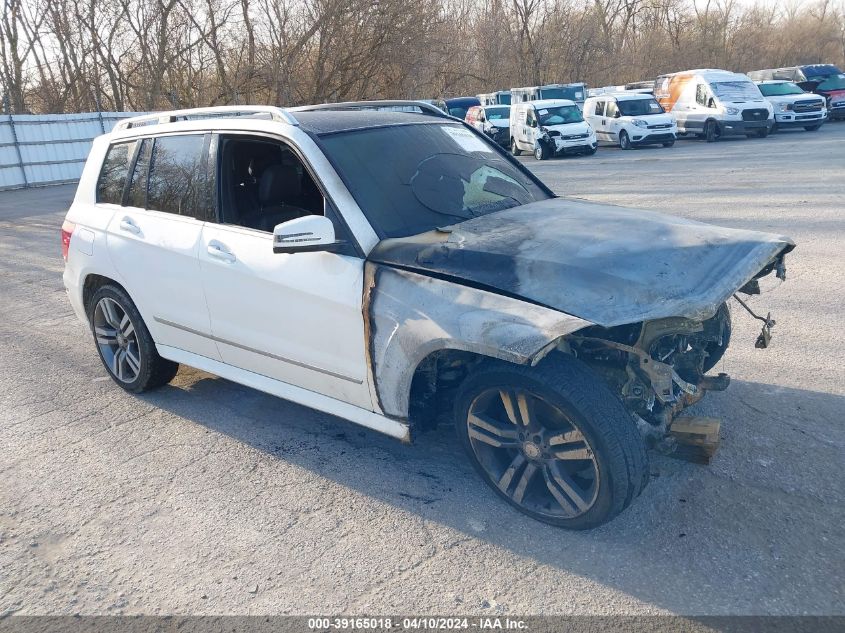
[[559, 119]]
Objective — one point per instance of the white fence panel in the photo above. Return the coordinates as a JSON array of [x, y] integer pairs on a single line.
[[41, 149]]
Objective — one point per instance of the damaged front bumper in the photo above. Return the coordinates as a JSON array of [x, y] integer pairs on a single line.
[[659, 368], [558, 145]]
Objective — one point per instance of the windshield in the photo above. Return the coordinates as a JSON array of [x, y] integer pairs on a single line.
[[559, 115], [836, 82], [501, 113], [776, 90], [736, 91], [413, 178], [459, 113], [573, 93], [639, 107]]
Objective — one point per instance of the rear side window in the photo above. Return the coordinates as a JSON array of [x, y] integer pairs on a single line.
[[177, 175], [113, 173], [138, 185], [599, 108]]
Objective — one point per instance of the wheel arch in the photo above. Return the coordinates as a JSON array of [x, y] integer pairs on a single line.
[[413, 320], [92, 283], [710, 120]]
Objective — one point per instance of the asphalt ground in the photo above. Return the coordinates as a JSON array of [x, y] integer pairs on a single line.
[[208, 497]]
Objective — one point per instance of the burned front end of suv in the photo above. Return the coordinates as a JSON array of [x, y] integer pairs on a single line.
[[648, 294]]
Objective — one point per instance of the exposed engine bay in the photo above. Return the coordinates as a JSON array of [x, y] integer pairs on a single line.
[[657, 367], [660, 367]]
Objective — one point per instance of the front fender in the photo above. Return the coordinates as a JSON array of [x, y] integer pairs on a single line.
[[546, 142], [410, 315]]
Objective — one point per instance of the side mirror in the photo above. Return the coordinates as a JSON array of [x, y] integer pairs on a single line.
[[304, 235]]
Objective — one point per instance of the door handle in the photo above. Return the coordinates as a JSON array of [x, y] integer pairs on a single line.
[[219, 251], [128, 224]]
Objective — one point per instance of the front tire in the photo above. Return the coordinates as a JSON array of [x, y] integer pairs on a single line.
[[624, 141], [711, 131], [515, 148], [668, 143], [552, 440], [540, 152], [124, 344], [812, 128]]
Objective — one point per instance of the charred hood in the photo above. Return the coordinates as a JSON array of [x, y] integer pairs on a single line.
[[605, 264]]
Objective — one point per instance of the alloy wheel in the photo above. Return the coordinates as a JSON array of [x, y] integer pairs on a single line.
[[533, 453], [117, 340]]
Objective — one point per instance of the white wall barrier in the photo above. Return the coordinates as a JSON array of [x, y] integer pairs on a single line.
[[44, 149]]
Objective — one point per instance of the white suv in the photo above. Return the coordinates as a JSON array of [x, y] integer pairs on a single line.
[[397, 268]]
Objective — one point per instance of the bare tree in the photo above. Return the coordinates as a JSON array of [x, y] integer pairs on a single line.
[[71, 55]]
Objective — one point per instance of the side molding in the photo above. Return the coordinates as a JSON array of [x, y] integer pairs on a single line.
[[394, 428]]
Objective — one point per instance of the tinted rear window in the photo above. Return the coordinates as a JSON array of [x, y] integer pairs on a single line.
[[113, 173], [176, 177]]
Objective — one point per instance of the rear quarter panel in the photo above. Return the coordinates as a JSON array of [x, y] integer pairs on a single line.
[[88, 253]]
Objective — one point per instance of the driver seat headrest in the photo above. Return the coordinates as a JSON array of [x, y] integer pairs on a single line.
[[279, 183]]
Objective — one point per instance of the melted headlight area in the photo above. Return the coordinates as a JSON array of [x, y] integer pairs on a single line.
[[657, 367]]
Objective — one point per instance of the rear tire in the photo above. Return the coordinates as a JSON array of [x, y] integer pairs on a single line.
[[124, 344], [515, 148], [576, 463]]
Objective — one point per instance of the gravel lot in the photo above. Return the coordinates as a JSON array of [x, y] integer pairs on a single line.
[[207, 497]]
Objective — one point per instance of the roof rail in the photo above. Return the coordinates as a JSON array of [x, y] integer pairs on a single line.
[[156, 118], [386, 105]]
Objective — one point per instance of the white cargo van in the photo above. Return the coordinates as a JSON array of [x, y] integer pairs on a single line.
[[713, 103], [500, 97], [550, 127], [630, 119], [576, 92]]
